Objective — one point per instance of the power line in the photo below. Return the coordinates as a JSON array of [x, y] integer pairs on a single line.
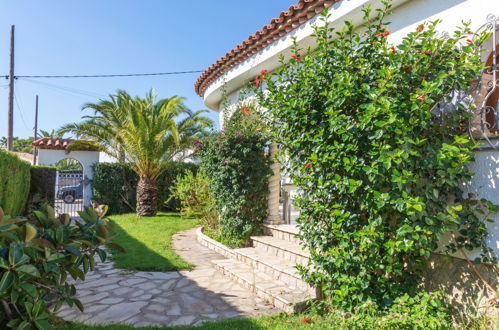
[[19, 106], [109, 75], [64, 88]]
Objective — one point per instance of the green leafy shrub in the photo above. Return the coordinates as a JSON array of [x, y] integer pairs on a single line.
[[42, 187], [114, 184], [193, 192], [36, 258], [379, 162], [14, 183], [238, 169]]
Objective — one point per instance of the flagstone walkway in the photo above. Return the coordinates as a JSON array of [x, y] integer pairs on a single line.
[[111, 295]]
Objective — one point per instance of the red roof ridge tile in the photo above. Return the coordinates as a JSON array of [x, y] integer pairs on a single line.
[[287, 21], [61, 144]]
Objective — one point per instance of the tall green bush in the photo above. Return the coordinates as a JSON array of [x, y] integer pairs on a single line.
[[14, 183], [238, 168], [114, 184], [42, 187], [379, 166], [193, 192]]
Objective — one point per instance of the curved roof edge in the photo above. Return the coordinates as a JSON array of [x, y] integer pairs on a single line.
[[287, 21]]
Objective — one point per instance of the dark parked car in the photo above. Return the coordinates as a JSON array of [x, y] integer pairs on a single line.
[[70, 193]]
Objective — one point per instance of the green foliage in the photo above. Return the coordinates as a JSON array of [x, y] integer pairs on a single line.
[[192, 190], [42, 187], [146, 132], [36, 259], [14, 183], [19, 144], [379, 166], [114, 184], [238, 170]]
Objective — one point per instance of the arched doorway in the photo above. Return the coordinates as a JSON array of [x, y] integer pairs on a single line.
[[69, 187]]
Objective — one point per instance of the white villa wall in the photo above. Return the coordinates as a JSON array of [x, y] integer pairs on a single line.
[[49, 157], [407, 16]]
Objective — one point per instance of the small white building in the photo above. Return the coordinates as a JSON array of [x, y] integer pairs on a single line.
[[51, 151]]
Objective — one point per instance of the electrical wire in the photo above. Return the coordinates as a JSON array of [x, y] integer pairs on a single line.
[[65, 89], [109, 75], [19, 108]]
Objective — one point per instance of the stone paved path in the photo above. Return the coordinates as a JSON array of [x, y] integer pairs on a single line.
[[112, 295]]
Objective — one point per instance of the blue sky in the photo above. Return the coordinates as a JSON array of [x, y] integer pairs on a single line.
[[116, 36]]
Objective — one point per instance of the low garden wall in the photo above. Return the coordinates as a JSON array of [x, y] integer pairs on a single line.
[[14, 183]]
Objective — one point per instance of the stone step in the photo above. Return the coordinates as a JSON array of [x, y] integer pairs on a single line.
[[274, 266], [284, 249], [284, 232], [264, 286]]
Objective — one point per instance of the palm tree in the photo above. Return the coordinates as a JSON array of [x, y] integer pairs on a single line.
[[109, 116], [148, 133]]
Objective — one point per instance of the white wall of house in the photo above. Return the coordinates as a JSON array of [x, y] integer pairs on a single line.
[[485, 184], [407, 16], [87, 159]]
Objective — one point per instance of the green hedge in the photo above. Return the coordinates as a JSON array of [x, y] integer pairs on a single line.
[[114, 184], [14, 183], [42, 189]]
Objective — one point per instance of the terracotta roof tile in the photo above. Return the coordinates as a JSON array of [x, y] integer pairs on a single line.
[[287, 21], [60, 144]]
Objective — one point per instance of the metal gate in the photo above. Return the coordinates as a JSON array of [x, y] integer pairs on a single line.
[[69, 188]]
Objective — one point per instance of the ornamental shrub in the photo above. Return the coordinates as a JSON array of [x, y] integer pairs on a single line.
[[114, 184], [36, 259], [238, 168], [378, 160], [14, 183], [42, 187], [195, 198]]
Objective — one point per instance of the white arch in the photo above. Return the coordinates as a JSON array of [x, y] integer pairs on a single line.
[[87, 159]]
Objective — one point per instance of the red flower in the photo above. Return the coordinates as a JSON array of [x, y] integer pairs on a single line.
[[420, 28], [364, 34], [392, 50], [245, 110], [384, 34], [297, 58], [263, 72], [305, 319], [469, 41], [308, 165], [421, 98], [257, 81], [408, 69]]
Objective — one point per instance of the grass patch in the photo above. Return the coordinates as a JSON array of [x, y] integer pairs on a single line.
[[148, 241], [280, 321]]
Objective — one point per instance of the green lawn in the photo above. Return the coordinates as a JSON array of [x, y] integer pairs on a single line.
[[279, 321], [148, 241]]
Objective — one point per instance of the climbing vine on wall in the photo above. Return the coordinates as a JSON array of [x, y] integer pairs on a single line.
[[380, 169]]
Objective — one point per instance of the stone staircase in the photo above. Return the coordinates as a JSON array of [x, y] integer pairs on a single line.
[[268, 268]]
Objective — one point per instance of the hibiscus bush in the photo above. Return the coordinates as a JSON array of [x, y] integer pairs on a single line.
[[379, 161], [37, 259], [237, 166]]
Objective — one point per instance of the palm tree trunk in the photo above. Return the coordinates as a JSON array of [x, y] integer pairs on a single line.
[[147, 197]]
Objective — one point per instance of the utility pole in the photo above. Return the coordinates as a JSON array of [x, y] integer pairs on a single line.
[[10, 122], [36, 130]]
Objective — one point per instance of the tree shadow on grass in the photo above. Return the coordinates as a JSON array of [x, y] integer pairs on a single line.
[[140, 256]]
